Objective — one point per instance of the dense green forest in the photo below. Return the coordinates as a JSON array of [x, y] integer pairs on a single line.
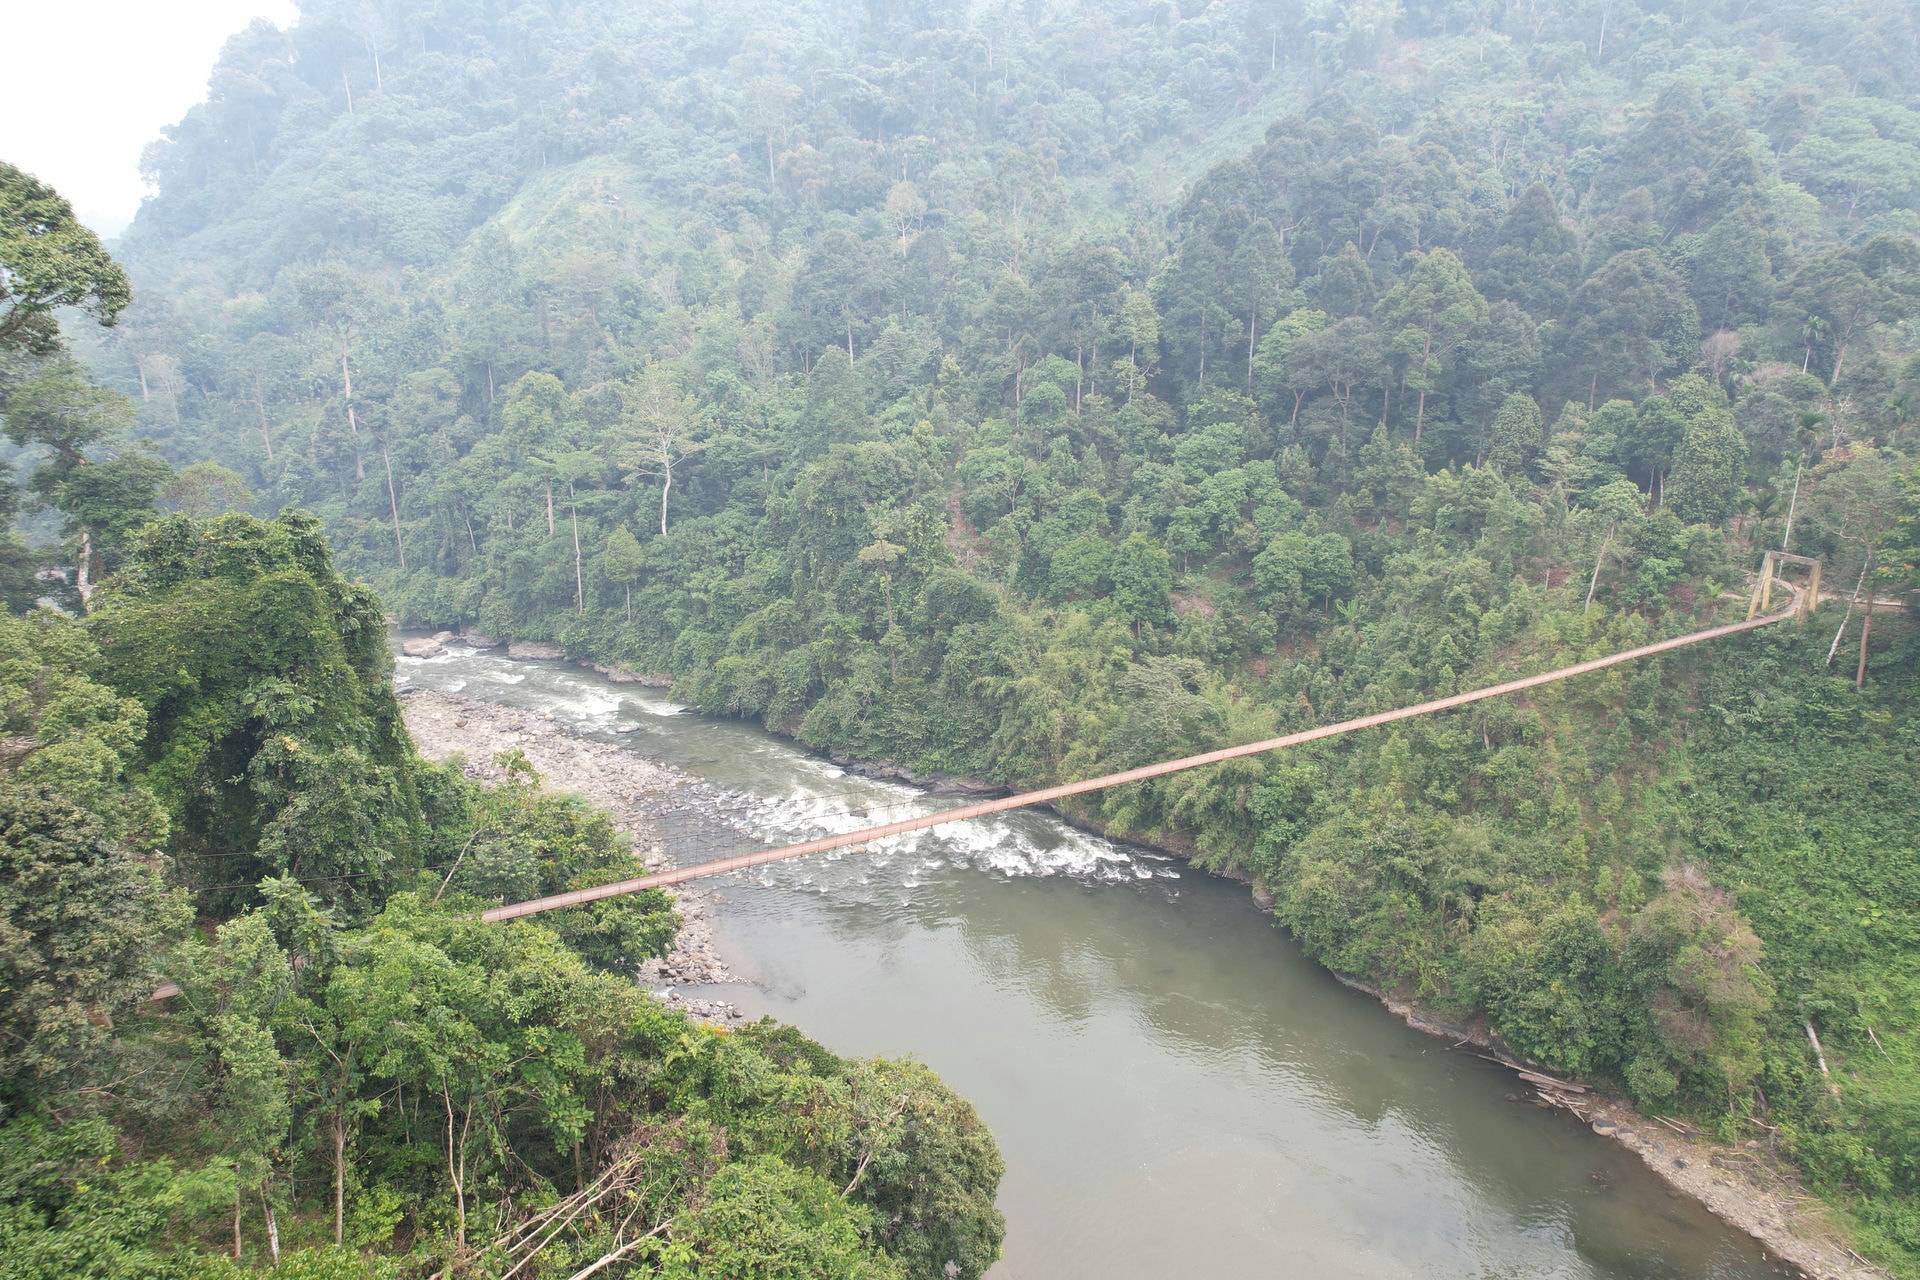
[[1029, 390], [208, 783], [251, 1021]]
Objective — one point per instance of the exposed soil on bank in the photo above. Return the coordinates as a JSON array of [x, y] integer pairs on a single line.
[[629, 788], [1744, 1184]]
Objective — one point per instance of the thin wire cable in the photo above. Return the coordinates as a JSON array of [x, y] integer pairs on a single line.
[[1047, 795]]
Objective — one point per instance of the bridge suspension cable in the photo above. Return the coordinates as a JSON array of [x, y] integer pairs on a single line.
[[1046, 795]]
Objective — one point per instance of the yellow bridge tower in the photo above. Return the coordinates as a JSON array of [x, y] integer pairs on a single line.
[[1762, 599]]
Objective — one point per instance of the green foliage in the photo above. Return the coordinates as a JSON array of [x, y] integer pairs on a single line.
[[48, 260], [103, 489], [67, 1208], [524, 842], [1149, 392], [86, 913], [1795, 789], [206, 489], [345, 1061], [1517, 435], [764, 1220], [1709, 465], [254, 661]]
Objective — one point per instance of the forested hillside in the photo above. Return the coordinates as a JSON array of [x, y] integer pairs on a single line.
[[1029, 390], [251, 1021], [356, 1077]]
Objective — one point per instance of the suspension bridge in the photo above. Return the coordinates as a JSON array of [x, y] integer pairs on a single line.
[[1803, 600], [1757, 617]]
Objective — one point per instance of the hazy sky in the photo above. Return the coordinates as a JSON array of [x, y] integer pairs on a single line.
[[91, 82]]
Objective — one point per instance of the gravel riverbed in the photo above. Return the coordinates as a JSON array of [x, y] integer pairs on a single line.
[[629, 788]]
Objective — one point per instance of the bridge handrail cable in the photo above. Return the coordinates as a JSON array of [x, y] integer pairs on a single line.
[[1065, 790]]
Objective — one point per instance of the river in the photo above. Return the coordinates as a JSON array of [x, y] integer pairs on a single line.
[[1177, 1090]]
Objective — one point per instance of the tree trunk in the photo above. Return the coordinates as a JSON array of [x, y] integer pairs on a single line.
[[579, 582], [1253, 321], [1420, 414], [273, 1226], [1594, 582], [1787, 536], [83, 572], [353, 422], [1093, 351], [666, 487], [260, 409], [1819, 1056], [393, 506], [549, 508], [629, 604], [456, 1174], [339, 1178], [1839, 359], [238, 1201], [1866, 629], [1847, 617]]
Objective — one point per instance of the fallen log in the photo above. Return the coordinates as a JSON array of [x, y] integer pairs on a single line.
[[1548, 1082]]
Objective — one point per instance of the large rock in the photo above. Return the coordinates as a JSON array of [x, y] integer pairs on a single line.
[[535, 649], [626, 675], [480, 640], [422, 647]]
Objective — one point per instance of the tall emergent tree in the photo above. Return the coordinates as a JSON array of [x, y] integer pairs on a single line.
[[49, 260]]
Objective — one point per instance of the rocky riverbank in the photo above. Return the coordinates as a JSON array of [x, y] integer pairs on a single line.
[[1743, 1184], [631, 790]]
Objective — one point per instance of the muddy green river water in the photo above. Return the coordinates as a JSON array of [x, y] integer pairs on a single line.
[[1177, 1090]]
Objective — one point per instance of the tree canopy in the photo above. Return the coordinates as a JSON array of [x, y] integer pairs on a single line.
[[1005, 390]]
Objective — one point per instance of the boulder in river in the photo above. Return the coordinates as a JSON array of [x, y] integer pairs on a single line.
[[626, 675], [535, 649], [480, 640], [422, 647]]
